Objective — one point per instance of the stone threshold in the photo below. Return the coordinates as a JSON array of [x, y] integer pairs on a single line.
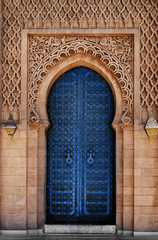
[[84, 229]]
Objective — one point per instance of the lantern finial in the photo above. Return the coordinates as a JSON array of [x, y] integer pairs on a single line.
[[10, 127], [151, 127]]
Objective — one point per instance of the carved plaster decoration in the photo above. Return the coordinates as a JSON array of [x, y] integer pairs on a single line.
[[46, 51], [67, 14]]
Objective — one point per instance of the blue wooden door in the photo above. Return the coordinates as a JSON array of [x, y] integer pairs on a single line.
[[80, 149]]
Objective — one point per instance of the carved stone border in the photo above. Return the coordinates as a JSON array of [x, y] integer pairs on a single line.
[[32, 79], [46, 51], [39, 130]]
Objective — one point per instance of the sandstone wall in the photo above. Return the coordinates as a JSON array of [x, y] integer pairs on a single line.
[[93, 25]]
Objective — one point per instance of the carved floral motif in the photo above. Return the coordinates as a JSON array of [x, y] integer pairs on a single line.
[[116, 52]]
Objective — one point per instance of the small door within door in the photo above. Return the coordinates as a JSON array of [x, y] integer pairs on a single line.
[[80, 150]]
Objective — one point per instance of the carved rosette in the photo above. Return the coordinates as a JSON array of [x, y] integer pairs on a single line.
[[115, 52]]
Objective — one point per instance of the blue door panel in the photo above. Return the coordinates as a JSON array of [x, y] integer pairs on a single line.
[[80, 150]]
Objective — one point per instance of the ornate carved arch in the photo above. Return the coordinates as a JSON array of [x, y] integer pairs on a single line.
[[79, 59], [116, 53]]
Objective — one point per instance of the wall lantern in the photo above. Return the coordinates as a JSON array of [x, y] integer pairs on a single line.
[[151, 127], [10, 127]]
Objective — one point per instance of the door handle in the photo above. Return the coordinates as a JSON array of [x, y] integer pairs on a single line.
[[90, 158], [68, 158]]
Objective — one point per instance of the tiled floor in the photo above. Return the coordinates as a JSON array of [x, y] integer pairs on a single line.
[[75, 237]]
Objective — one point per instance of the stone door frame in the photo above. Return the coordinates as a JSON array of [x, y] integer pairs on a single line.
[[36, 133]]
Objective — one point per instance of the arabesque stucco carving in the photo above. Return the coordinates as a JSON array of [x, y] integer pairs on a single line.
[[115, 52]]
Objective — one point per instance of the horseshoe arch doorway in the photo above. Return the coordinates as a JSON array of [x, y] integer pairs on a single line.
[[80, 150]]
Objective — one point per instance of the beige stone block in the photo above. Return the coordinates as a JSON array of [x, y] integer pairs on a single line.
[[144, 135], [142, 152], [15, 152], [150, 191], [13, 190], [12, 171], [155, 181], [16, 143], [41, 180], [41, 171], [128, 190], [119, 189], [137, 172], [138, 134], [128, 181], [119, 135], [119, 145], [128, 172], [16, 199], [16, 209], [119, 209], [32, 143], [128, 209], [32, 181], [9, 162], [23, 134], [155, 198], [119, 199], [119, 221], [128, 153], [41, 202], [31, 190], [40, 206], [3, 220], [128, 200], [155, 162], [13, 181], [143, 200], [40, 220], [41, 158], [128, 134], [137, 209], [119, 154], [119, 166], [145, 222], [144, 181], [119, 180], [149, 172], [143, 143], [32, 200], [32, 134], [16, 221], [154, 153], [128, 162], [149, 210], [32, 171], [143, 163], [32, 148], [32, 209], [128, 220], [128, 144], [42, 143], [3, 200], [32, 162]]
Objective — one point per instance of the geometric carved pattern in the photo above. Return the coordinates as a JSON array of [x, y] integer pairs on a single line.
[[79, 14], [46, 51]]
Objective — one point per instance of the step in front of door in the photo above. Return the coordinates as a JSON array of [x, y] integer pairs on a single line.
[[86, 229]]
